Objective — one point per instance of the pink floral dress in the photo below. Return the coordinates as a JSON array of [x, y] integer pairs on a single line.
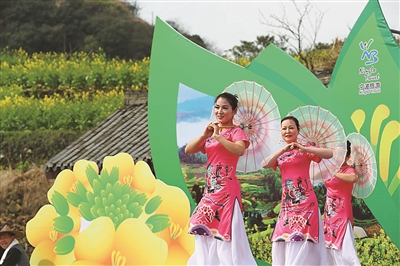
[[213, 215], [298, 217], [338, 209]]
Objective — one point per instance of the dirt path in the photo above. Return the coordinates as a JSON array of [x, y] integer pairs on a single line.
[[21, 196]]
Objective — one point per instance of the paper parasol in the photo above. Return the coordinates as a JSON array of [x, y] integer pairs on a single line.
[[320, 128], [362, 158], [258, 115]]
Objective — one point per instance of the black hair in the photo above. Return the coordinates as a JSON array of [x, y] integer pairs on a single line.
[[8, 233], [290, 117], [232, 99], [348, 148]]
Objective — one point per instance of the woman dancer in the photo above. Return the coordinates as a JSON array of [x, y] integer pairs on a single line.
[[217, 221], [298, 237], [338, 216]]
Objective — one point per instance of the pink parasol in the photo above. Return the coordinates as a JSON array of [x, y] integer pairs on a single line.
[[363, 160], [320, 128], [258, 115]]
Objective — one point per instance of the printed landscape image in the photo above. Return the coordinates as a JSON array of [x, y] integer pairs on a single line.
[[261, 192]]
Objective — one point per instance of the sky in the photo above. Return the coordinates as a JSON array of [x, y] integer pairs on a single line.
[[223, 24]]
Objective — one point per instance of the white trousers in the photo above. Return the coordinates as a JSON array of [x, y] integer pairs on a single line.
[[211, 251], [347, 255], [301, 253]]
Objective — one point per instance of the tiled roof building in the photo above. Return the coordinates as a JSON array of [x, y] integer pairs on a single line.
[[123, 131]]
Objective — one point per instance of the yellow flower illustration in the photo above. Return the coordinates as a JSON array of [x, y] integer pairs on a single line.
[[121, 216], [40, 228]]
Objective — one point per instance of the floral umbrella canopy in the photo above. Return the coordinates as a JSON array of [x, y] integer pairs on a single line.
[[258, 115], [320, 128], [363, 160]]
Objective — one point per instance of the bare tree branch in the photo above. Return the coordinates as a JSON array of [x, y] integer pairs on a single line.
[[302, 34]]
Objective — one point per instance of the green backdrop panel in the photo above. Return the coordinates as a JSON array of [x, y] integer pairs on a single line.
[[363, 94]]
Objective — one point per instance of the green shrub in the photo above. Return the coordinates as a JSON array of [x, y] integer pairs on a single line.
[[379, 250], [277, 208], [261, 246], [19, 149], [83, 111], [42, 74]]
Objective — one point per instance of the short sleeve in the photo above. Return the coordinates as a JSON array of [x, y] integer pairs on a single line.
[[238, 134], [203, 146], [349, 170], [275, 165], [314, 157]]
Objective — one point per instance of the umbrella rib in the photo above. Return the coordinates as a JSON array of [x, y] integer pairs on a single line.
[[303, 115], [265, 102], [254, 160], [320, 130], [338, 129], [367, 157], [264, 143], [245, 93], [272, 109], [311, 120], [258, 99], [261, 107]]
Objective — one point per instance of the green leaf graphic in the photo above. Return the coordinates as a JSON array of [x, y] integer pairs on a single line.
[[158, 222], [63, 224], [81, 190], [59, 203], [114, 175], [85, 210], [91, 174], [74, 199], [65, 245], [153, 204]]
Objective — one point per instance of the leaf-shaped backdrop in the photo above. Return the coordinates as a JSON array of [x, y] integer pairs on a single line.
[[366, 78], [175, 60]]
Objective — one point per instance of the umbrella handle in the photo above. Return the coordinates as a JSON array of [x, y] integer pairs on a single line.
[[242, 126], [227, 126]]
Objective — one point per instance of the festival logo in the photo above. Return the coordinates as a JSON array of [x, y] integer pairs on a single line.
[[371, 84]]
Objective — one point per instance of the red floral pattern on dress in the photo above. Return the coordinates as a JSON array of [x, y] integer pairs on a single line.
[[297, 223], [206, 212]]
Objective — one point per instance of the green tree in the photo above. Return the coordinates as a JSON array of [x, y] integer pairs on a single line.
[[111, 25], [69, 30], [249, 50], [79, 25], [133, 7], [25, 23]]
